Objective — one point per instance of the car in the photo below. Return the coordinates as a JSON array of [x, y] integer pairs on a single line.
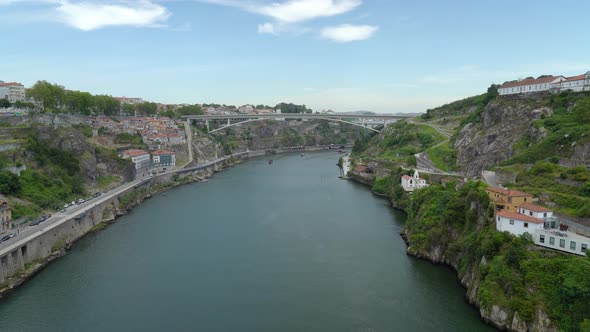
[[96, 194], [62, 210], [73, 203], [12, 235], [35, 222], [66, 205], [5, 237]]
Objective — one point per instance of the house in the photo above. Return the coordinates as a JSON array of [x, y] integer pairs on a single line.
[[140, 158], [516, 223], [562, 240], [410, 183], [13, 91], [534, 210], [531, 85], [508, 199], [163, 158], [576, 83], [5, 216]]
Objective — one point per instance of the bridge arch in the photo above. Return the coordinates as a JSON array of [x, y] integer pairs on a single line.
[[320, 118]]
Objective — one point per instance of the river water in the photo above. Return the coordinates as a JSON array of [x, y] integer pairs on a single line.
[[281, 247]]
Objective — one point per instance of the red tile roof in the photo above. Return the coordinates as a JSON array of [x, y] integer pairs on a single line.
[[509, 192], [407, 177], [518, 216], [135, 153], [10, 84], [161, 152], [534, 207], [575, 78], [528, 82]]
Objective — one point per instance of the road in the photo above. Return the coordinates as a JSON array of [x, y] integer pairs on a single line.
[[189, 143], [28, 233]]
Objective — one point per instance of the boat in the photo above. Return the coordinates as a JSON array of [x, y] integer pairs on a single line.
[[301, 155], [270, 161]]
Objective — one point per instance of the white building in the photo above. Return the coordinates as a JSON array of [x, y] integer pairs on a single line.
[[517, 224], [140, 158], [533, 210], [576, 83], [562, 241], [410, 183], [12, 91], [549, 83]]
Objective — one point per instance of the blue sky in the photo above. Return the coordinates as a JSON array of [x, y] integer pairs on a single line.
[[379, 55]]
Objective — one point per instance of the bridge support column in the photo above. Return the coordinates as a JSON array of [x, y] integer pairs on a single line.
[[363, 121], [207, 124], [228, 122]]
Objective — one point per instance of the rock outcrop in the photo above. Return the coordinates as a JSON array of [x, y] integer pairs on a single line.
[[503, 124]]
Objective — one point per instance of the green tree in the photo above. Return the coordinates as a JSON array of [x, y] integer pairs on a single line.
[[190, 110], [50, 97], [77, 101], [9, 184], [4, 103]]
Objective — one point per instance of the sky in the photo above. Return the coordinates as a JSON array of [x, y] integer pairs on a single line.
[[385, 56]]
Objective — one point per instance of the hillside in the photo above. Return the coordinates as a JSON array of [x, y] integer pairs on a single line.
[[57, 165], [515, 285]]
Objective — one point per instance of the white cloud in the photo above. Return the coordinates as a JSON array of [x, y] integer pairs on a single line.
[[302, 10], [348, 33], [288, 13], [293, 11], [95, 15], [267, 28]]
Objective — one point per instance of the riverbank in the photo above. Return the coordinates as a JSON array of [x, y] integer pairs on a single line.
[[31, 258], [457, 246]]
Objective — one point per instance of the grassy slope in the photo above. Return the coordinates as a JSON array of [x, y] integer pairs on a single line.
[[398, 142]]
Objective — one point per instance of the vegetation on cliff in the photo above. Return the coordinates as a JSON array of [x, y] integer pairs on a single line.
[[453, 224]]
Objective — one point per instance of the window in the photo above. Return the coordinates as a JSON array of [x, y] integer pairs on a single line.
[[584, 247], [525, 199], [542, 238], [545, 215], [530, 213], [526, 225], [562, 243], [498, 218], [511, 222], [552, 240], [572, 245]]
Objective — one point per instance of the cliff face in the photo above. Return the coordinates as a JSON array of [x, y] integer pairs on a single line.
[[94, 162], [268, 135], [503, 124]]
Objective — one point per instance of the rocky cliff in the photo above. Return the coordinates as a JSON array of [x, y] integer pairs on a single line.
[[504, 123]]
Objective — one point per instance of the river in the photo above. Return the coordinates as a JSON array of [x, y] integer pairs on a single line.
[[280, 247]]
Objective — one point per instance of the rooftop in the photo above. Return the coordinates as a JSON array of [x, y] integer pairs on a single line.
[[135, 153], [534, 207], [529, 81], [509, 192], [518, 216], [161, 152]]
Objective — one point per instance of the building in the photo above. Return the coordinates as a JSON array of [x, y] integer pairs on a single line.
[[576, 83], [5, 216], [530, 85], [562, 240], [410, 183], [163, 158], [140, 158], [130, 100], [536, 211], [516, 223], [12, 91], [508, 199]]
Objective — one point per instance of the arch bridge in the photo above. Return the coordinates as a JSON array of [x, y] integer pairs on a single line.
[[359, 120]]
